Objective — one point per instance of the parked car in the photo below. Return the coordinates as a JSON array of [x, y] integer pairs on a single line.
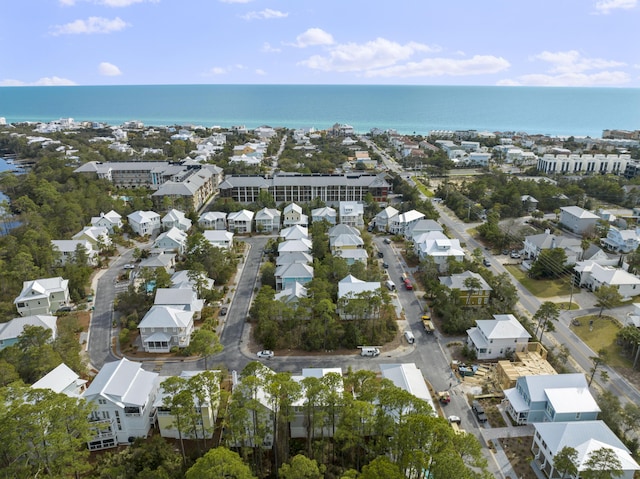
[[385, 265], [265, 354], [505, 251], [129, 266], [479, 412], [380, 254], [223, 311], [486, 262], [515, 255], [454, 419]]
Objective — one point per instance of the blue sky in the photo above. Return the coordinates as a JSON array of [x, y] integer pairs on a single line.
[[590, 43]]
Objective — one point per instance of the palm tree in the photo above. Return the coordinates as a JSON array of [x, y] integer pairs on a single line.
[[548, 311]]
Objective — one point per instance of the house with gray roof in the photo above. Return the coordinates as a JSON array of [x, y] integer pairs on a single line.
[[476, 296], [586, 437], [176, 219], [325, 213], [144, 223], [551, 398], [213, 220], [219, 239], [165, 327], [288, 274], [423, 226], [267, 220], [42, 296], [109, 220], [180, 298], [577, 219], [535, 244], [174, 240], [383, 219], [407, 376], [240, 221], [352, 213], [11, 330], [498, 337]]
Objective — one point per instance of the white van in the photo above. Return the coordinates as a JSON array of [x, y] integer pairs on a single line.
[[408, 335], [390, 284], [369, 351]]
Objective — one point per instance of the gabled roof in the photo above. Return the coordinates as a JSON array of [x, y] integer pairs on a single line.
[[123, 382], [456, 281], [342, 229], [609, 275], [571, 399], [387, 213], [212, 216], [295, 232], [548, 240], [92, 232], [503, 326], [181, 279], [294, 257], [41, 288], [174, 296], [217, 236], [316, 373], [585, 437], [294, 270], [579, 212], [346, 240], [408, 217], [166, 317], [324, 211], [242, 215], [350, 286], [293, 207], [408, 377], [176, 235], [61, 379], [14, 328], [292, 293], [536, 385], [267, 213], [295, 245], [143, 217]]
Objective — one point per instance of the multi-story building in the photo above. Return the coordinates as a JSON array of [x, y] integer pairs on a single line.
[[578, 164], [294, 187]]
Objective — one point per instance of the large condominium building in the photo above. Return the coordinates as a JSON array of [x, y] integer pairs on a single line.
[[579, 164], [299, 188]]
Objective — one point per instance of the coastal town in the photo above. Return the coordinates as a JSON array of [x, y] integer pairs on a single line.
[[355, 304]]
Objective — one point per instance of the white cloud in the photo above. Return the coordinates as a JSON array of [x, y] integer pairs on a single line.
[[267, 48], [44, 81], [109, 69], [260, 71], [572, 62], [570, 68], [605, 78], [312, 37], [432, 67], [218, 71], [90, 26], [372, 55], [265, 14], [606, 6]]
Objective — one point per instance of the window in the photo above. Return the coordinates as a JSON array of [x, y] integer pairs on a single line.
[[102, 401]]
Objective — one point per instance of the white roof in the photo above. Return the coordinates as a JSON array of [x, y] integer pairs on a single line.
[[294, 270], [579, 212], [538, 384], [572, 399], [217, 236], [295, 232], [70, 246], [316, 373], [166, 317], [342, 229], [295, 245], [41, 288], [350, 286], [612, 276], [143, 216], [60, 379], [123, 382], [407, 376], [585, 437], [212, 216], [14, 328], [503, 326], [242, 215]]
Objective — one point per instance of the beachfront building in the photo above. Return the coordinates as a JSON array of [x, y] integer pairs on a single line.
[[42, 296], [302, 188], [583, 164]]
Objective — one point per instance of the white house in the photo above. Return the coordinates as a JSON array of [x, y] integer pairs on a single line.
[[144, 223], [11, 330], [240, 221], [423, 226], [293, 216], [213, 220], [352, 213], [295, 233], [219, 239], [292, 246], [267, 220], [341, 229], [551, 398], [184, 280], [407, 376], [123, 395], [577, 219], [176, 219], [498, 337], [326, 213], [585, 437], [535, 244], [439, 247], [166, 261], [179, 298], [164, 327], [42, 296], [623, 241], [96, 235], [402, 223], [383, 219], [592, 276], [62, 380], [294, 257], [172, 240], [299, 422], [67, 250], [110, 220], [292, 294], [350, 288]]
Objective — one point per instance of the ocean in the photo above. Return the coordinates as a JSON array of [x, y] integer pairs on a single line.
[[407, 109]]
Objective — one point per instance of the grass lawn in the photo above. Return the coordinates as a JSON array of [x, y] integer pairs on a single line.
[[423, 189], [542, 288], [602, 336]]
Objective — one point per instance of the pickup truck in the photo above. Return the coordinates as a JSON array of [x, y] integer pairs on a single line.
[[428, 325]]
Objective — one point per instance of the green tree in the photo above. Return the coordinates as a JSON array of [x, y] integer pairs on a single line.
[[218, 463], [602, 463], [204, 343], [301, 467], [565, 461], [598, 361], [551, 263], [547, 312], [472, 284], [608, 297], [381, 467]]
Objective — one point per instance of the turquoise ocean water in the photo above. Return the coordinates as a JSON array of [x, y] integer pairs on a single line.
[[407, 109]]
